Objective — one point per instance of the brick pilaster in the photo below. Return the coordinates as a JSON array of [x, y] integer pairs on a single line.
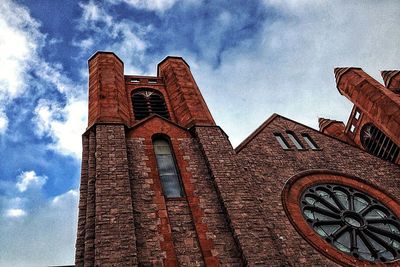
[[220, 158], [187, 103], [80, 240], [90, 203], [114, 234]]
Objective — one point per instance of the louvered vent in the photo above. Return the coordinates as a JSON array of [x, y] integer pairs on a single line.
[[378, 144], [158, 106], [140, 106], [148, 102]]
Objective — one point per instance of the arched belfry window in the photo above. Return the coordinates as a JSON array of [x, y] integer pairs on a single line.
[[377, 143], [146, 102], [167, 169]]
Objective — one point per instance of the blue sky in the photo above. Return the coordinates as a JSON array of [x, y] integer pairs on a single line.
[[250, 59]]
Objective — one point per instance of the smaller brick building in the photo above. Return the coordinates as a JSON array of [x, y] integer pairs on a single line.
[[161, 184]]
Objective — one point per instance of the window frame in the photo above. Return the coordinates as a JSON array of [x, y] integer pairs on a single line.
[[282, 141], [177, 171], [309, 140], [295, 140]]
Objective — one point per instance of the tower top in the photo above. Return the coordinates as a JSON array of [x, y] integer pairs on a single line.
[[104, 52]]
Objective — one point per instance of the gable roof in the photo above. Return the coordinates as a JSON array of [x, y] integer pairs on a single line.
[[152, 116], [270, 120]]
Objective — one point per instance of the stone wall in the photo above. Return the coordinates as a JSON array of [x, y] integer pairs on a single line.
[[271, 167]]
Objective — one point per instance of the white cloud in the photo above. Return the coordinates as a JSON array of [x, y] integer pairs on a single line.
[[154, 5], [62, 200], [129, 39], [29, 179], [64, 125], [22, 40], [3, 122], [15, 213], [19, 37], [19, 41], [52, 75], [45, 233], [288, 67]]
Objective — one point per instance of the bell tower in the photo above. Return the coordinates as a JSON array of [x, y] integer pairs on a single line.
[[375, 118], [150, 190]]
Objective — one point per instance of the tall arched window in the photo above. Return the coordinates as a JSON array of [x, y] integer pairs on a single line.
[[167, 169], [377, 143], [146, 102]]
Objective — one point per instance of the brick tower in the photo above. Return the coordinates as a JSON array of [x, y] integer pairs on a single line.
[[374, 122], [161, 185], [147, 196]]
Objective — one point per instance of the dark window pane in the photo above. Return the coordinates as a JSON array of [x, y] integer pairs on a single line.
[[171, 185], [167, 169], [294, 140], [310, 142], [281, 141]]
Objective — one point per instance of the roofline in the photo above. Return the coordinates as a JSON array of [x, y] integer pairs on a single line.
[[339, 72], [170, 57], [255, 132], [104, 52], [273, 117], [155, 116], [329, 123]]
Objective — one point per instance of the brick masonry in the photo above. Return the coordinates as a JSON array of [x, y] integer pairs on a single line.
[[193, 228], [234, 211], [271, 167], [377, 102]]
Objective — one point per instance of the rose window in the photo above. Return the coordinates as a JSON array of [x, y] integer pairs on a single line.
[[353, 222]]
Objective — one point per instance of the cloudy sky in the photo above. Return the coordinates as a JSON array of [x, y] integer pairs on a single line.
[[250, 59]]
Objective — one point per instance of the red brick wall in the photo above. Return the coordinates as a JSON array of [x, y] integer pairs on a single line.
[[80, 241], [105, 211], [108, 101], [379, 103], [186, 100], [232, 212], [270, 167], [188, 231]]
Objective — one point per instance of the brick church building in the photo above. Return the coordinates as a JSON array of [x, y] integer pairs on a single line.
[[161, 184]]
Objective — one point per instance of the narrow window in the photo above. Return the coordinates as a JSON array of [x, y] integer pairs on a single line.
[[135, 80], [352, 128], [167, 169], [310, 142], [377, 143], [357, 115], [282, 141], [295, 140]]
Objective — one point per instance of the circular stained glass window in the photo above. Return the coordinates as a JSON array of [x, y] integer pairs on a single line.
[[353, 222]]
